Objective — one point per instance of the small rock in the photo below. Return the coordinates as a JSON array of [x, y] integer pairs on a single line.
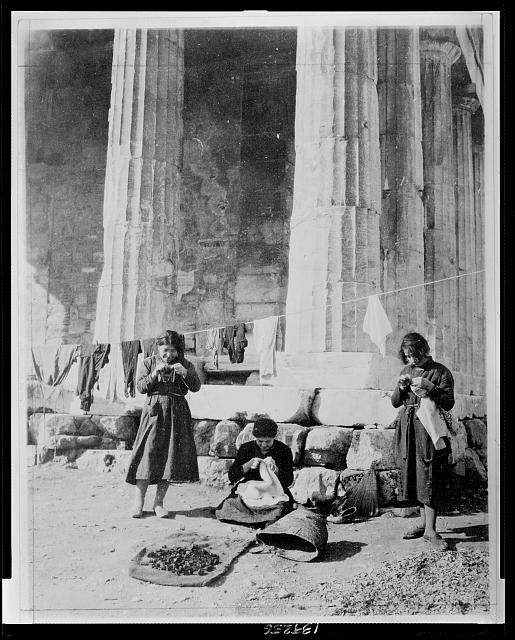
[[111, 550], [285, 594]]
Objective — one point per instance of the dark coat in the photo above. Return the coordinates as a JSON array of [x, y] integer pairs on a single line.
[[164, 448], [423, 468]]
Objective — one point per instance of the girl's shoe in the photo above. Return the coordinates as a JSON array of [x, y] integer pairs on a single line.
[[414, 532], [161, 512], [136, 512]]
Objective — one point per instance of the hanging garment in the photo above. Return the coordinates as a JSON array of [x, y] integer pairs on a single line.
[[214, 341], [130, 350], [265, 332], [376, 323], [240, 342], [148, 347], [52, 364], [228, 341], [92, 359], [113, 381]]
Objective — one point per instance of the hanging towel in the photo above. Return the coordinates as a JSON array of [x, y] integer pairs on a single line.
[[148, 347], [240, 342], [92, 358], [376, 323], [214, 341], [52, 364], [130, 350], [265, 332], [433, 422]]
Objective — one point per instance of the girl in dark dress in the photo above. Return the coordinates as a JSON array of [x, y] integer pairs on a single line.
[[423, 467], [164, 449]]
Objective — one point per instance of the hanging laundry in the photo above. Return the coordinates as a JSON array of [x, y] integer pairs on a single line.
[[130, 350], [52, 365], [113, 381], [265, 332], [228, 341], [148, 347], [240, 342], [214, 342], [93, 357], [376, 323]]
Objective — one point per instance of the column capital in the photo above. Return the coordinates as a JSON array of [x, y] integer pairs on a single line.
[[445, 50]]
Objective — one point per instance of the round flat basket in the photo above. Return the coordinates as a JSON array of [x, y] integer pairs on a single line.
[[300, 535]]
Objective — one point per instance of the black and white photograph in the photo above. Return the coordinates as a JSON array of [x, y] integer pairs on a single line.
[[255, 318]]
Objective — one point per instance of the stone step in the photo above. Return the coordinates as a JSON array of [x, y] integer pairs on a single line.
[[349, 407], [220, 402]]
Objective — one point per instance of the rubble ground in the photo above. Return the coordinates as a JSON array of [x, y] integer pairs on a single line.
[[81, 540]]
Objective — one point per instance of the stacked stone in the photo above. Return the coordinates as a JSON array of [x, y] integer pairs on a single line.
[[475, 455], [69, 436]]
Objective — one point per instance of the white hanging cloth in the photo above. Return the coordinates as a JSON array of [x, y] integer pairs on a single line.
[[376, 323], [265, 333]]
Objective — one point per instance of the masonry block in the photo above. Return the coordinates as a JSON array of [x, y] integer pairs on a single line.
[[372, 449], [213, 471], [203, 433], [224, 439], [314, 485], [327, 447], [349, 407]]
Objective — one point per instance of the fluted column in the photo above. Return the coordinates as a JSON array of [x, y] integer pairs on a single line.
[[334, 232], [464, 106], [402, 216], [479, 297], [141, 198], [437, 57]]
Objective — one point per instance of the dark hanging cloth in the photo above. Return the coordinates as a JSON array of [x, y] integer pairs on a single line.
[[130, 350], [93, 357], [228, 342], [148, 347], [240, 342]]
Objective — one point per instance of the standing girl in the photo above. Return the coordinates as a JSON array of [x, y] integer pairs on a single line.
[[164, 450], [423, 466]]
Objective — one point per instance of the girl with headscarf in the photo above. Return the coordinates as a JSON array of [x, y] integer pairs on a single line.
[[164, 449]]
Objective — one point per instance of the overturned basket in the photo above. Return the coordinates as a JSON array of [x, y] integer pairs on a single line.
[[300, 535]]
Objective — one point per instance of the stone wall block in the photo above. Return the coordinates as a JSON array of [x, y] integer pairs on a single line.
[[458, 443], [372, 449], [349, 407], [104, 460], [213, 471], [43, 426], [314, 485], [87, 427], [327, 447], [119, 427], [475, 470], [89, 442], [203, 433], [224, 439], [61, 443], [476, 433]]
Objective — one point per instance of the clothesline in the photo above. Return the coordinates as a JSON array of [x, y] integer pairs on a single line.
[[348, 301], [328, 306]]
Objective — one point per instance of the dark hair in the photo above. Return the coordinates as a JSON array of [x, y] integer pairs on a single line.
[[173, 339], [264, 428], [415, 345]]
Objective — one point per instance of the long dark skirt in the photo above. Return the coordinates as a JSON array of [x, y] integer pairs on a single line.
[[164, 448], [234, 510], [424, 470]]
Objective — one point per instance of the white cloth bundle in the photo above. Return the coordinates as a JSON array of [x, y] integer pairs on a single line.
[[434, 423], [265, 492]]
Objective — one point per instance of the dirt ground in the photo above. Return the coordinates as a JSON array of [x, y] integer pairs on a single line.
[[82, 540]]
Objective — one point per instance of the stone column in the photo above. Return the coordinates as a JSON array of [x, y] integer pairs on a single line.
[[437, 57], [334, 232], [479, 328], [402, 216], [141, 199], [465, 105]]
